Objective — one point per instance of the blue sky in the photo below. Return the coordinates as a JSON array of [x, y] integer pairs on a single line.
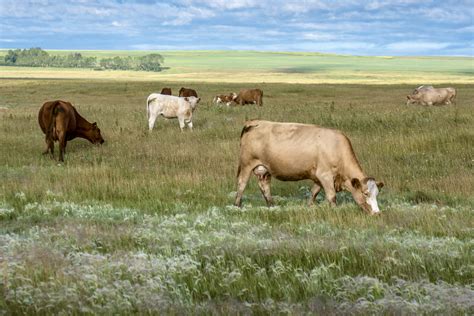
[[379, 27]]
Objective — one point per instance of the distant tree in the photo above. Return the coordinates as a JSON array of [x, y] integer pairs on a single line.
[[36, 57], [11, 56], [151, 62]]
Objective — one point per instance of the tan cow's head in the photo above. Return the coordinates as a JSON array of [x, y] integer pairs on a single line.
[[411, 99], [365, 193]]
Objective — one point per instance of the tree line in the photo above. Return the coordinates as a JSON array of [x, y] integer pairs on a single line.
[[36, 57]]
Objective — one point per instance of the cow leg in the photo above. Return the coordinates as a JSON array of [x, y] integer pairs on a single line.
[[264, 180], [181, 123], [190, 124], [49, 147], [242, 180], [62, 145], [151, 121], [329, 190], [314, 193]]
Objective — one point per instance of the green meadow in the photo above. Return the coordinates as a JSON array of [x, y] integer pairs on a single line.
[[272, 67], [144, 224]]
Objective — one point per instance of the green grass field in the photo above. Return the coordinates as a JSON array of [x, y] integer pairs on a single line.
[[271, 67], [145, 224]]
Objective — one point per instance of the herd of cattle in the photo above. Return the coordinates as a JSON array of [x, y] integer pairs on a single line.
[[286, 151]]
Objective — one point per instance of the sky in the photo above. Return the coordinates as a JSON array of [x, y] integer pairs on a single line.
[[378, 27]]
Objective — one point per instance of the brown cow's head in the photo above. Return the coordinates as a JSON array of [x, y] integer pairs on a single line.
[[95, 136], [365, 193]]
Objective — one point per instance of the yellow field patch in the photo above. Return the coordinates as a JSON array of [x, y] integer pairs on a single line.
[[338, 76]]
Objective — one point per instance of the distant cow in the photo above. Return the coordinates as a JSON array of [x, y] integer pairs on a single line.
[[60, 121], [249, 96], [227, 99], [185, 92], [171, 107], [428, 95], [166, 91], [292, 152]]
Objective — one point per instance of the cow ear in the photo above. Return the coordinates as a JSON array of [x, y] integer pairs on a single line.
[[94, 124], [186, 99], [199, 99], [380, 185], [408, 97], [356, 183]]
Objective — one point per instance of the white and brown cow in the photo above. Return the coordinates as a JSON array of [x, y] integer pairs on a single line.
[[222, 98], [171, 107], [292, 152]]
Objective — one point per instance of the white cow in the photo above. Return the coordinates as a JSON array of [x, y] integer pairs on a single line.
[[171, 107]]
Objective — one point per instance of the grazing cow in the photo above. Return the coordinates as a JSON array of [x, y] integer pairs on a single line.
[[249, 96], [60, 121], [185, 92], [166, 91], [292, 152], [171, 107], [427, 95], [222, 98]]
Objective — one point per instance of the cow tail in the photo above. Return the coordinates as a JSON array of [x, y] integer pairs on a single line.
[[148, 108], [53, 111]]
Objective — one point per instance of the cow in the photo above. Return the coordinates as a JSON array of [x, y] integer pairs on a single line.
[[222, 98], [166, 91], [293, 152], [171, 107], [185, 92], [60, 121], [428, 95], [249, 96]]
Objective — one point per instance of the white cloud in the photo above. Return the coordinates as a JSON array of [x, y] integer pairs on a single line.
[[414, 47]]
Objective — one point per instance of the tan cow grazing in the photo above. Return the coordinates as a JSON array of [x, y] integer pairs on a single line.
[[185, 92], [249, 96], [166, 91], [60, 121], [428, 95], [222, 98], [171, 107], [293, 152]]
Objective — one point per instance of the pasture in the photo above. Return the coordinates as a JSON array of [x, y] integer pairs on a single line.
[[145, 223], [270, 67]]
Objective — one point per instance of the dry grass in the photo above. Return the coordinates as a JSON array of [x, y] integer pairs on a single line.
[[143, 223]]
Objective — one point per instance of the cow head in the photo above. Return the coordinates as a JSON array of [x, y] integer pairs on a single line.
[[365, 193], [411, 99], [95, 136], [193, 101]]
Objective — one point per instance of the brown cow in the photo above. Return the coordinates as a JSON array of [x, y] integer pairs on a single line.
[[185, 92], [60, 121], [249, 96], [292, 152], [166, 91]]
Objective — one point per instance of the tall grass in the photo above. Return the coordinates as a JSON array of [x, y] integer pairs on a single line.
[[144, 224]]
